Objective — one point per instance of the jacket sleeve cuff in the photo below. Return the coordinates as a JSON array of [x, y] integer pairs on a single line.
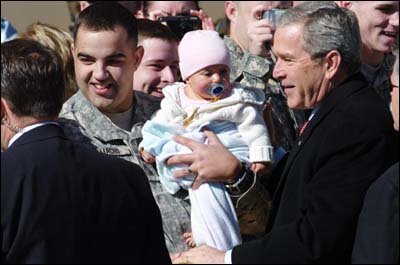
[[262, 154]]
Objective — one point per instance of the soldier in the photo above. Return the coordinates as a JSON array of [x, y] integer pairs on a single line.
[[379, 28], [106, 109], [160, 63]]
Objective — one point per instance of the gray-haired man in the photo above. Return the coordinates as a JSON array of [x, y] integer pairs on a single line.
[[347, 143]]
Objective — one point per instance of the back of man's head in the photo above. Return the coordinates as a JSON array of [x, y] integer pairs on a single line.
[[149, 29], [105, 16], [32, 79], [327, 27]]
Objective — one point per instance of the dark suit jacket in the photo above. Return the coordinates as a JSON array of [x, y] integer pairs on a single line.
[[63, 203], [345, 147], [377, 238]]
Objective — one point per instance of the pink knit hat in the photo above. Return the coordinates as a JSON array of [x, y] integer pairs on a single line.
[[199, 49]]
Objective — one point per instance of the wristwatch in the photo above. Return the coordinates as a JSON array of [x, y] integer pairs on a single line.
[[244, 181]]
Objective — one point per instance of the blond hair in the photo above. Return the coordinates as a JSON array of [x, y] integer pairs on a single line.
[[59, 41]]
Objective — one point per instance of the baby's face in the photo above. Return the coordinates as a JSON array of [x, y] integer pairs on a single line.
[[199, 82]]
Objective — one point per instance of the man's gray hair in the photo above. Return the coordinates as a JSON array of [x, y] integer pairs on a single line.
[[328, 27]]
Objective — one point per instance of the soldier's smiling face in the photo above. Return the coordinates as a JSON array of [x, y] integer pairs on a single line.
[[379, 24], [104, 64]]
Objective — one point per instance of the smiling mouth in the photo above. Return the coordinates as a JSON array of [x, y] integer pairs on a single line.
[[391, 34], [287, 86], [102, 90], [97, 86], [157, 92]]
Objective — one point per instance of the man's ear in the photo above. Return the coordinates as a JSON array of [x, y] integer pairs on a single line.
[[332, 64], [140, 14], [138, 56], [73, 49], [345, 4], [3, 109], [83, 5], [6, 108], [231, 11]]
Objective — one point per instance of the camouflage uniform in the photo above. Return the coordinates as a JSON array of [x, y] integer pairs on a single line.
[[255, 71], [380, 82], [110, 139]]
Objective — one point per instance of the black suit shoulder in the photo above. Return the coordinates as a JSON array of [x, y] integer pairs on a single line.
[[345, 147], [65, 203], [377, 238]]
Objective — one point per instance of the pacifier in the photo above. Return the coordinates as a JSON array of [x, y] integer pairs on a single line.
[[216, 89]]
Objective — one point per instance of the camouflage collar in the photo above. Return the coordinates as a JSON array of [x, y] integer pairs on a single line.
[[96, 123], [233, 47], [388, 62], [380, 80]]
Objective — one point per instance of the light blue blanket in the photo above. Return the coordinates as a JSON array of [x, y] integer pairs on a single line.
[[157, 140], [213, 216]]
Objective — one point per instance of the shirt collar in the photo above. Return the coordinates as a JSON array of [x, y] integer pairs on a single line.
[[27, 129]]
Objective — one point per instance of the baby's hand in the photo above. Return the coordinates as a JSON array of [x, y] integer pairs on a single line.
[[261, 168], [189, 240], [147, 157]]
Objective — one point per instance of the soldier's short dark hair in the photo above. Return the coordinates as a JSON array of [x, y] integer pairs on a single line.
[[105, 16], [148, 29], [147, 4], [32, 78]]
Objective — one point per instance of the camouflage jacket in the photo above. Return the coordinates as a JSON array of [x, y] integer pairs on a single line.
[[255, 71], [107, 138], [380, 82]]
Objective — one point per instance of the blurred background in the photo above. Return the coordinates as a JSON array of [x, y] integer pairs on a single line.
[[58, 13]]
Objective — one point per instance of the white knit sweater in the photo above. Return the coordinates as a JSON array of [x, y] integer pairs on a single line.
[[244, 107]]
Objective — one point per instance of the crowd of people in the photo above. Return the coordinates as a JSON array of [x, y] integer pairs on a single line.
[[146, 136]]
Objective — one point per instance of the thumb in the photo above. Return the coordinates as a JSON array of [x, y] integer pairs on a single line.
[[212, 137]]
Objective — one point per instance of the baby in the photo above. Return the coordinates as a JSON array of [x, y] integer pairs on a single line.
[[207, 99]]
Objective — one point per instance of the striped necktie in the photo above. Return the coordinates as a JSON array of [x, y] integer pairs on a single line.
[[303, 127]]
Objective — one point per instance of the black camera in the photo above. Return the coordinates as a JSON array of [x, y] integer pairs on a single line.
[[180, 25]]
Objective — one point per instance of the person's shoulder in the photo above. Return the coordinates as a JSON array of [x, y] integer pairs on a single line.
[[248, 94], [172, 89], [388, 63], [73, 131], [145, 106], [363, 107], [171, 93], [73, 104], [390, 177]]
